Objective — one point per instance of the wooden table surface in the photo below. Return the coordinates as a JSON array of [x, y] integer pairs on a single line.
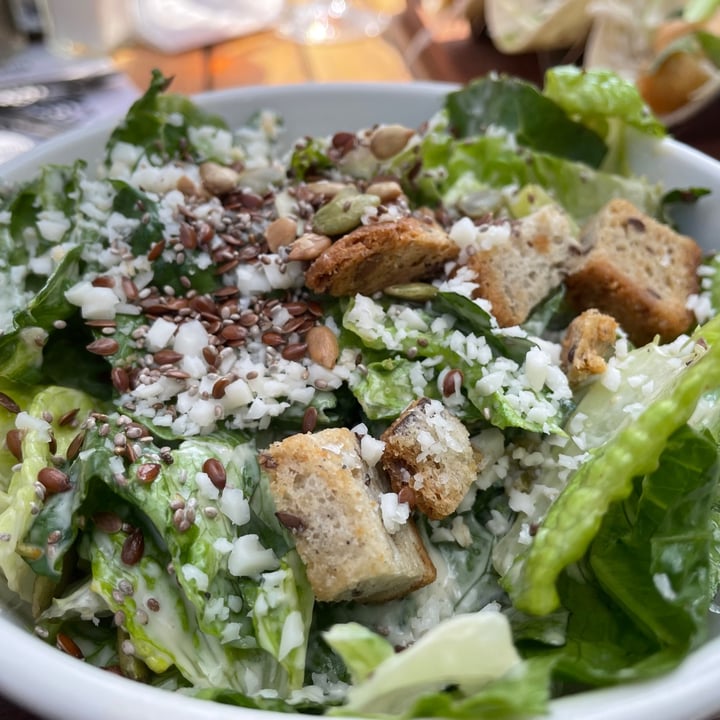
[[416, 46]]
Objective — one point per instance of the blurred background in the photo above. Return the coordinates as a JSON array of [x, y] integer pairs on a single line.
[[65, 63]]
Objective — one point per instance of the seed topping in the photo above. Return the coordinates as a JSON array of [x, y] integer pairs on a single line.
[[54, 480], [133, 548], [103, 346], [215, 470], [9, 404], [147, 472]]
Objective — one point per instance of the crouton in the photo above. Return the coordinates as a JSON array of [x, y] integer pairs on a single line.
[[330, 499], [428, 451], [588, 342], [372, 257], [639, 271], [519, 271]]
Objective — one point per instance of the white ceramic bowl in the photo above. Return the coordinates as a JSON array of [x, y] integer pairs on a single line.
[[57, 686]]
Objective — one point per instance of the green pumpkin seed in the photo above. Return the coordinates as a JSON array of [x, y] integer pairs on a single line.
[[415, 291], [343, 213]]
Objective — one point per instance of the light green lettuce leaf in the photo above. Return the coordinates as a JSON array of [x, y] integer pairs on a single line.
[[361, 649], [432, 333], [699, 10], [608, 103], [169, 635], [203, 549], [439, 659], [25, 501], [574, 518]]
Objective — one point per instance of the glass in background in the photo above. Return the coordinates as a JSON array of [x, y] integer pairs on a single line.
[[331, 21], [173, 26], [11, 40], [441, 21], [84, 28]]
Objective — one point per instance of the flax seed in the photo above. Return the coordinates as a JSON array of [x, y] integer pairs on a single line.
[[156, 250], [68, 645], [273, 339], [290, 521], [215, 470], [13, 441], [167, 357], [309, 420], [147, 473], [218, 389], [103, 347], [69, 417], [248, 319], [177, 374], [133, 548], [103, 281], [452, 382], [188, 236], [294, 351], [107, 522], [8, 403], [129, 288], [54, 480], [75, 445], [233, 332]]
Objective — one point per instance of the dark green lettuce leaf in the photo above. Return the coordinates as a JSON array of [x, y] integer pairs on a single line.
[[652, 552], [159, 123], [445, 169], [536, 121]]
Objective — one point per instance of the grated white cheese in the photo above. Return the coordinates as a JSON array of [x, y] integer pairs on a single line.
[[234, 506], [394, 513], [249, 557]]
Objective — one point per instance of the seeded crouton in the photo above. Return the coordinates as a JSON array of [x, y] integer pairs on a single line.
[[639, 271], [330, 499], [587, 344], [428, 455], [521, 269], [372, 257]]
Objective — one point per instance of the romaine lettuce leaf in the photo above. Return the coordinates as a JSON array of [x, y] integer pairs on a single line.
[[429, 333], [574, 519], [161, 123], [534, 120], [450, 169], [268, 605], [439, 659], [600, 98], [169, 635], [41, 440], [652, 554]]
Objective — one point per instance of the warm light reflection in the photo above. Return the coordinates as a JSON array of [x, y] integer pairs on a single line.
[[329, 21]]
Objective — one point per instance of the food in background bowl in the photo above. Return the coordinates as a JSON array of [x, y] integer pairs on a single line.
[[194, 564], [671, 49]]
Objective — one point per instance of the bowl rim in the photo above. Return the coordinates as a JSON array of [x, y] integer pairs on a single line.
[[692, 689]]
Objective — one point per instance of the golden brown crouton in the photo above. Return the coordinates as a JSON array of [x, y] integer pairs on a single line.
[[330, 499], [639, 271], [588, 342], [428, 451], [375, 256], [519, 271]]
